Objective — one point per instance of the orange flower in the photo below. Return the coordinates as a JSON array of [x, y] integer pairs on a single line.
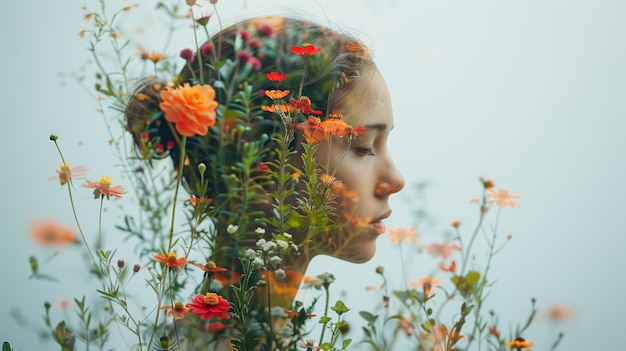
[[313, 131], [171, 259], [502, 198], [335, 125], [426, 283], [303, 104], [450, 268], [210, 267], [276, 94], [305, 49], [403, 235], [66, 174], [178, 311], [275, 108], [104, 188], [190, 108], [519, 343], [51, 233], [153, 56]]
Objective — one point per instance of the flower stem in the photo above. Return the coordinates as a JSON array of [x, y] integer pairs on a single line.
[[181, 164]]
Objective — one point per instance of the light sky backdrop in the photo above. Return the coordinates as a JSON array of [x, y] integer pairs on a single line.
[[529, 93]]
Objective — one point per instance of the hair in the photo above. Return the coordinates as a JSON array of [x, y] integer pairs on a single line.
[[235, 62]]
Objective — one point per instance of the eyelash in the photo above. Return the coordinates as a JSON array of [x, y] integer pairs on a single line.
[[365, 151]]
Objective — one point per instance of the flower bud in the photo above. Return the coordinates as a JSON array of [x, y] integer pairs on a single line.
[[120, 263], [380, 269], [54, 137], [136, 267]]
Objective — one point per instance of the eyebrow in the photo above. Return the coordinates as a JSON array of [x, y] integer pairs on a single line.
[[377, 126]]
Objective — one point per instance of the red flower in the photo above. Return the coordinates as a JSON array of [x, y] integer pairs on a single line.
[[210, 305], [171, 259], [304, 105], [450, 268], [276, 76], [305, 49], [493, 331]]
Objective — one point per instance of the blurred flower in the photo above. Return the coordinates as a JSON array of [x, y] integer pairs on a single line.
[[450, 268], [502, 198], [403, 235], [556, 312], [66, 174], [210, 305], [276, 76], [519, 343], [171, 259], [210, 267], [49, 232], [190, 107], [443, 250], [493, 331], [153, 56], [406, 326], [104, 188], [427, 284], [178, 311]]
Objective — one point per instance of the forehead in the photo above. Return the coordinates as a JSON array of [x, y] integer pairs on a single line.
[[368, 102]]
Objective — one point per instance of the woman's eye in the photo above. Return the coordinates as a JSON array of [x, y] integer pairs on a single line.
[[364, 151]]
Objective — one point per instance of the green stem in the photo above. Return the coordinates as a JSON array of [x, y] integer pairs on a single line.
[[181, 164]]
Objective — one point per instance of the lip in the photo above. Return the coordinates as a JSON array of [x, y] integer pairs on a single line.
[[378, 225]]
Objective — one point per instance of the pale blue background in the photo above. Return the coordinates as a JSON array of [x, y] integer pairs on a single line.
[[530, 93]]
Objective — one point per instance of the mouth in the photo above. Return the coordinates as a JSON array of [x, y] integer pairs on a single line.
[[377, 224]]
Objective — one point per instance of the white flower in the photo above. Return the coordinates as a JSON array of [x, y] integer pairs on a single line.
[[232, 229], [280, 274], [250, 254], [259, 230], [257, 263], [287, 235], [261, 242], [275, 260], [282, 244]]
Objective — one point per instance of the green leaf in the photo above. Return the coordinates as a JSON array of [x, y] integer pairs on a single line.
[[340, 308], [6, 346], [370, 318]]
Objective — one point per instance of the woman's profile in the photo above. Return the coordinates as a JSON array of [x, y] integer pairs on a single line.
[[289, 161]]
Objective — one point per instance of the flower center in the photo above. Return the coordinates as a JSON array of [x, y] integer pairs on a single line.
[[65, 167], [178, 306], [211, 299], [210, 265], [105, 182], [172, 256]]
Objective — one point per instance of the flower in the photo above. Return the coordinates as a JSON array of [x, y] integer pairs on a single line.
[[190, 108], [210, 267], [403, 235], [519, 343], [276, 94], [153, 56], [305, 49], [51, 233], [104, 188], [303, 104], [406, 326], [493, 331], [171, 259], [502, 198], [66, 174], [178, 311], [276, 76], [427, 284], [450, 268], [443, 250], [210, 305]]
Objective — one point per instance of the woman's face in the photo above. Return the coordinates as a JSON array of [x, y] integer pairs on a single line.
[[365, 168]]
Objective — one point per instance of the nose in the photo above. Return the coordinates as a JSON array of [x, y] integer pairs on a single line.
[[390, 181]]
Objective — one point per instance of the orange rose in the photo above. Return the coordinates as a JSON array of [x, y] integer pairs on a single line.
[[190, 108]]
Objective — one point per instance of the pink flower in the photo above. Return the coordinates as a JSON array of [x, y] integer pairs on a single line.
[[443, 250], [104, 188], [403, 235], [66, 174], [502, 198], [210, 305]]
